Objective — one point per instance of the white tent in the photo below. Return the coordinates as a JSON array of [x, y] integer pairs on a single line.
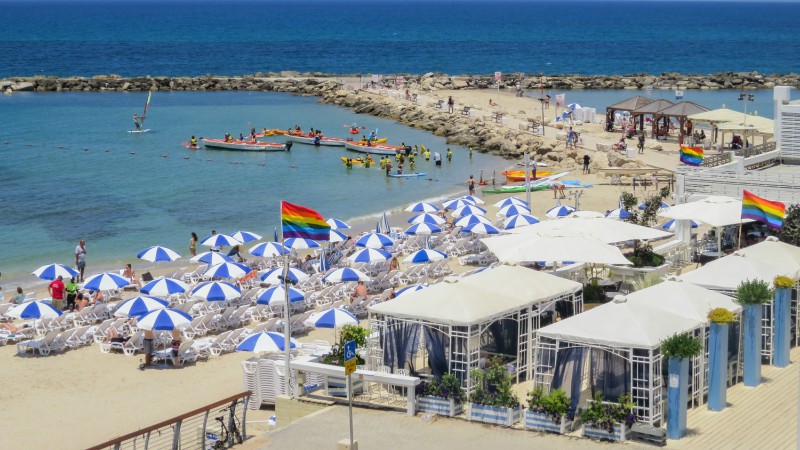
[[599, 228], [725, 274], [714, 210], [771, 251], [519, 248]]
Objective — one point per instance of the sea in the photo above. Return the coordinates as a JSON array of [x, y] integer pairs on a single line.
[[71, 171]]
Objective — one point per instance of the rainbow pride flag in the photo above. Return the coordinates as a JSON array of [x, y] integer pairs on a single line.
[[692, 156], [301, 222], [763, 210]]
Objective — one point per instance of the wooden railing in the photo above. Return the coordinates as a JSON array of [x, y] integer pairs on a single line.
[[716, 160]]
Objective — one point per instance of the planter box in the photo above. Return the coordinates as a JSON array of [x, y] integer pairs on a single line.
[[498, 416], [619, 434], [437, 405], [337, 386], [543, 422], [624, 272]]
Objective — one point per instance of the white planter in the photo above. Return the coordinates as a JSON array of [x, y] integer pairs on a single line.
[[619, 434], [437, 405], [337, 386], [623, 271], [498, 416], [543, 422]]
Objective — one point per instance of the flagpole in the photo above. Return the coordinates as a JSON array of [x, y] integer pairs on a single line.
[[739, 241], [287, 332]]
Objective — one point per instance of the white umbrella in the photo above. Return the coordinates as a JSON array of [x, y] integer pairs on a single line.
[[423, 228], [274, 276], [227, 270], [332, 318], [472, 219], [337, 236], [138, 306], [511, 201], [104, 282], [164, 320], [267, 249], [277, 295], [519, 220], [559, 211], [716, 211], [480, 228], [337, 224], [473, 199], [211, 258], [265, 342], [216, 291], [519, 249], [425, 255], [34, 310], [374, 240], [370, 255], [163, 287], [457, 203], [422, 207], [158, 253], [300, 243], [587, 215], [601, 229]]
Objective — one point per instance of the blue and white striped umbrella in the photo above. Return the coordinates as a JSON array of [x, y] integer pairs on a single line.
[[422, 207], [217, 240], [246, 236], [337, 224], [345, 274], [273, 276], [53, 271], [138, 306], [337, 236], [409, 289], [643, 205], [227, 270], [670, 226], [426, 218], [332, 318], [264, 342], [519, 220], [574, 106], [425, 255], [370, 255], [473, 199], [164, 287], [480, 228], [618, 214], [34, 310], [277, 295], [511, 201], [164, 320], [423, 228], [559, 211], [513, 210], [300, 243], [471, 219], [211, 258], [457, 203], [105, 281], [216, 291], [267, 249], [158, 253], [374, 240], [467, 210]]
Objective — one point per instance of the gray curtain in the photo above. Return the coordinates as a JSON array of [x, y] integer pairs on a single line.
[[568, 374], [399, 343], [610, 374], [436, 342], [565, 309], [505, 336]]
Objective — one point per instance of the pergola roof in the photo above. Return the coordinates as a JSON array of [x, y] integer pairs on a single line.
[[653, 107], [682, 109], [630, 104], [717, 116]]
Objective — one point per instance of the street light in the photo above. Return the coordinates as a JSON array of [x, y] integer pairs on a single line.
[[542, 99], [746, 98]]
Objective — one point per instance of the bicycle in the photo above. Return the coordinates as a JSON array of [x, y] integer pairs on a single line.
[[233, 435]]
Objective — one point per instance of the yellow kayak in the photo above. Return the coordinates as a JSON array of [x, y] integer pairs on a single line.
[[356, 161], [376, 141]]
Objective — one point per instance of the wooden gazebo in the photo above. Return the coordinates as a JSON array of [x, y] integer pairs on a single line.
[[651, 109], [628, 105], [680, 111]]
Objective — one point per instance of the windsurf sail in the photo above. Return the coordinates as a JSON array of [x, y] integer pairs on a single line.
[[146, 105]]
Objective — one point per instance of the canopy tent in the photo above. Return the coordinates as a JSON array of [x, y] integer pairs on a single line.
[[716, 116], [623, 340], [772, 250], [600, 228], [629, 105], [650, 109], [725, 274], [508, 302], [725, 119], [515, 248], [680, 111], [714, 210]]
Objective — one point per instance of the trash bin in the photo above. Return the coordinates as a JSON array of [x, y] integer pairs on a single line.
[[630, 153]]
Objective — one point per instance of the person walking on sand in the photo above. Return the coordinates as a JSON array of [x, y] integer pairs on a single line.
[[586, 160], [72, 293], [80, 258], [471, 185], [640, 145], [56, 290], [147, 349], [450, 104], [571, 138], [193, 244]]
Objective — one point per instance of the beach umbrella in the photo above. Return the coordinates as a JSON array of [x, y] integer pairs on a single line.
[[519, 220], [587, 215], [480, 228], [300, 243], [513, 210], [471, 219], [409, 289], [425, 255], [474, 200], [216, 291], [511, 201], [457, 203], [343, 274], [644, 204], [559, 211], [246, 236], [426, 218], [574, 106], [105, 281], [36, 309], [422, 207], [423, 228], [374, 240], [274, 276], [158, 253], [55, 270], [670, 226], [267, 249], [211, 258], [277, 294], [332, 318], [164, 320], [370, 255], [618, 214], [138, 306], [337, 236], [163, 287], [265, 341], [337, 224], [227, 270], [217, 240], [467, 210]]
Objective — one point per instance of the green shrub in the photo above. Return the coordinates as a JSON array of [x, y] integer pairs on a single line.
[[720, 316], [447, 387], [681, 345], [644, 256], [605, 415], [753, 292], [555, 404], [493, 388]]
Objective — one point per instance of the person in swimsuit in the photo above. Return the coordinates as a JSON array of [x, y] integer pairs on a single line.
[[471, 185]]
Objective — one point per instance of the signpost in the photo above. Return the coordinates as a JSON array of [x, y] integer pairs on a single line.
[[350, 367]]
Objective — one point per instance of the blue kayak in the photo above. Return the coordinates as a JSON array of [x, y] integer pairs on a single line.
[[407, 175]]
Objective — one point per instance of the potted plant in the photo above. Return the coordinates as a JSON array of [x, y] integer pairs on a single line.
[[606, 420], [548, 412], [678, 348], [752, 294], [493, 400], [781, 313], [720, 319], [443, 396], [337, 386]]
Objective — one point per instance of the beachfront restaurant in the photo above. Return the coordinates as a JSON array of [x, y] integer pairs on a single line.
[[459, 325], [614, 349]]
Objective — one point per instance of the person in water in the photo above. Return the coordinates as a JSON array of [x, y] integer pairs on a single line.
[[449, 155], [193, 142], [348, 163], [136, 122]]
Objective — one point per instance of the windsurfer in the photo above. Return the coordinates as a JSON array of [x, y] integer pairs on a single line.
[[136, 122]]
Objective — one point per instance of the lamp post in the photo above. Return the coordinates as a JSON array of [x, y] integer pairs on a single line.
[[746, 98], [542, 99]]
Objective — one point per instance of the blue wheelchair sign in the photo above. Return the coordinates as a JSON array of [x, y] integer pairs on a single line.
[[350, 350]]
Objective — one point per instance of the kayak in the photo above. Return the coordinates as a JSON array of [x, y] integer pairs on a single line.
[[376, 141], [407, 175], [356, 161], [243, 145], [515, 189], [327, 141], [379, 149], [519, 175]]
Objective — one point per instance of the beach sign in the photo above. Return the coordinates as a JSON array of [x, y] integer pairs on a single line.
[[350, 357], [560, 99], [678, 95], [498, 75], [649, 91]]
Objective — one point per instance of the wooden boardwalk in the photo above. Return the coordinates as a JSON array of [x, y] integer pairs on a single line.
[[764, 417]]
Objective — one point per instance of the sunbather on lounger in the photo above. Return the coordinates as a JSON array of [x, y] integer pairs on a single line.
[[13, 328]]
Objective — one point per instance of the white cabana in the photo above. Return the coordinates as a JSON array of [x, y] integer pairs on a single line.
[[525, 248], [599, 228], [507, 303], [772, 250], [714, 210]]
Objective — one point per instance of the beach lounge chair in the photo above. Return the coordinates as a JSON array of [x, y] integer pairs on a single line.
[[80, 336], [196, 275], [50, 342], [185, 353], [220, 344]]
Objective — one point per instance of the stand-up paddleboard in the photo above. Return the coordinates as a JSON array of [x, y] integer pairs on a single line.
[[407, 175], [537, 185], [139, 131]]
